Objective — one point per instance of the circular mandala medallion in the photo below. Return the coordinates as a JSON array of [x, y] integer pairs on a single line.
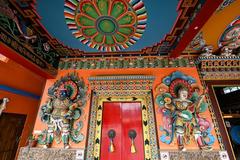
[[106, 25]]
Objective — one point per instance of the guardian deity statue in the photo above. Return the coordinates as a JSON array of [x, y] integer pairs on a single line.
[[64, 107], [181, 108]]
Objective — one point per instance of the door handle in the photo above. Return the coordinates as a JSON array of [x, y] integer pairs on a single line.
[[132, 135], [111, 136]]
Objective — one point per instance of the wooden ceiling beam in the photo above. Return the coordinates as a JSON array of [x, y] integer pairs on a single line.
[[13, 55], [201, 18]]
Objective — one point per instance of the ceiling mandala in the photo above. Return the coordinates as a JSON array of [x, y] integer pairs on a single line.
[[106, 25]]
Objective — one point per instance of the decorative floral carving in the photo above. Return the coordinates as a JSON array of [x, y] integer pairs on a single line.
[[106, 25]]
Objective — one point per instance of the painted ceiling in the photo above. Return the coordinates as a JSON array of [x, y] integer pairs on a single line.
[[41, 30], [77, 28], [97, 25]]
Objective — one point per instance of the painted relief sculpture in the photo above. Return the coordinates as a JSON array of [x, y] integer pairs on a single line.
[[106, 25], [197, 43], [67, 96], [3, 103], [207, 51], [226, 51], [183, 108], [231, 36]]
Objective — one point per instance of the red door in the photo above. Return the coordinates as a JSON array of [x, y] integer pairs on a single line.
[[122, 117]]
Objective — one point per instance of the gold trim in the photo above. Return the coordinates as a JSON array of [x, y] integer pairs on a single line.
[[219, 109], [231, 115], [143, 101]]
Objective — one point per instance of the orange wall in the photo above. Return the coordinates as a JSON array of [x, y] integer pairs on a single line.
[[18, 77], [159, 73]]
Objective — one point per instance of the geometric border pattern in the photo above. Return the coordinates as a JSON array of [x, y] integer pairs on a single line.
[[219, 67], [213, 116], [125, 62]]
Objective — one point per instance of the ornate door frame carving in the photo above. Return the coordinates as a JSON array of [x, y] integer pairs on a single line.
[[122, 89]]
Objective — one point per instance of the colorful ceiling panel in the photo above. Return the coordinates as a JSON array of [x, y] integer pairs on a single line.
[[151, 22], [80, 28], [106, 25]]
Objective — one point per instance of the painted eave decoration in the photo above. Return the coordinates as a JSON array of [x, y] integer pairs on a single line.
[[104, 24], [142, 27]]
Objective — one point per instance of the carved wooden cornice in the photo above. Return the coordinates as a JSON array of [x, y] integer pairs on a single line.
[[219, 67]]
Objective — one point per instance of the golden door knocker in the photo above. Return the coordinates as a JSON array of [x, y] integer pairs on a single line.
[[132, 135], [111, 135]]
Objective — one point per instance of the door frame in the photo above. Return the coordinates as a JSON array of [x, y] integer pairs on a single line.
[[217, 110], [122, 89], [23, 118]]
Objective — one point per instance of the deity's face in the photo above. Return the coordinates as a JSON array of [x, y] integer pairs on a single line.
[[208, 49], [226, 50], [63, 94], [183, 94]]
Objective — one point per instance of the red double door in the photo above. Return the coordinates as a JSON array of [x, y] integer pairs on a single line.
[[122, 117]]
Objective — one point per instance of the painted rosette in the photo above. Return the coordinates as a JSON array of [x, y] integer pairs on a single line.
[[106, 25]]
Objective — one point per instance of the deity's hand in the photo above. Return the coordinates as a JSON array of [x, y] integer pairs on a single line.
[[179, 114], [68, 115], [49, 106]]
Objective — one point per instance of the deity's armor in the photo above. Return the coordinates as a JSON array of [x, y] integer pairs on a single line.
[[58, 122], [60, 107], [182, 106]]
